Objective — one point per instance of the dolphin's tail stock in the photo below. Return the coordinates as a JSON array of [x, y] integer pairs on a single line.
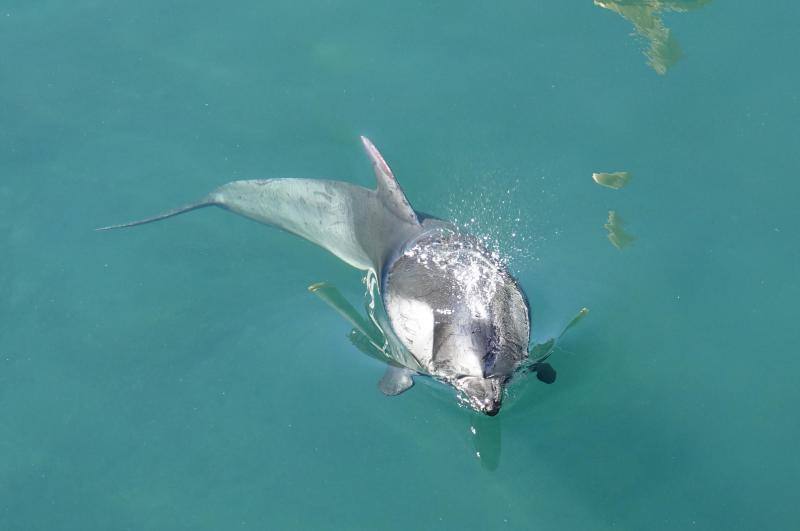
[[205, 202]]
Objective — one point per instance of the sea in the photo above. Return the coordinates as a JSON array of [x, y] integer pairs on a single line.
[[638, 158]]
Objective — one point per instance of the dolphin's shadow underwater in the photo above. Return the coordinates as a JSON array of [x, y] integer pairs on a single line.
[[441, 304]]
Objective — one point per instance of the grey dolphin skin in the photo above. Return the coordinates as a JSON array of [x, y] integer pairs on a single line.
[[452, 306]]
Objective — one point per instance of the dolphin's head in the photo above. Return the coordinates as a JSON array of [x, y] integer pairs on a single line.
[[481, 394], [457, 309]]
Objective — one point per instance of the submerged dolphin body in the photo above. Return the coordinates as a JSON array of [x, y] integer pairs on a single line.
[[451, 303]]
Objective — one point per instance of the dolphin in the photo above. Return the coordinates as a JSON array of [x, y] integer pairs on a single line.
[[450, 302]]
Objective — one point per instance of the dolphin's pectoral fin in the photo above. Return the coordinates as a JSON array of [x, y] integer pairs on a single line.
[[334, 298], [366, 346], [580, 315], [541, 351], [396, 380], [365, 336]]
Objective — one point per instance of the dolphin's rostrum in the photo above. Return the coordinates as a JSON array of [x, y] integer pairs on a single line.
[[451, 304]]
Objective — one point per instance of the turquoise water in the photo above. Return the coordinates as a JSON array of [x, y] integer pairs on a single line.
[[181, 376]]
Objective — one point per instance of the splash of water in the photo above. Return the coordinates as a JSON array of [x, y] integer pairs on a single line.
[[511, 227]]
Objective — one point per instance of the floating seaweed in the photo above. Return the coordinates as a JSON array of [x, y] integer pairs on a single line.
[[645, 15], [615, 180], [616, 234]]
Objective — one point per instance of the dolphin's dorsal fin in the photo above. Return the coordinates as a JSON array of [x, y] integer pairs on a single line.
[[389, 191]]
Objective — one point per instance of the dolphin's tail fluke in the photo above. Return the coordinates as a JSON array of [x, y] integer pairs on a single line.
[[205, 202]]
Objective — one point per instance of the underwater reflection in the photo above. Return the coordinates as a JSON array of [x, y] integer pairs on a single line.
[[663, 50], [486, 435], [618, 237]]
